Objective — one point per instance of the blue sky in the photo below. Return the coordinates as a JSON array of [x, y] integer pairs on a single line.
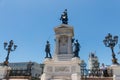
[[30, 24]]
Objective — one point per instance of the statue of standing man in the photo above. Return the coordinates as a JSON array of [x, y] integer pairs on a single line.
[[47, 50], [76, 49]]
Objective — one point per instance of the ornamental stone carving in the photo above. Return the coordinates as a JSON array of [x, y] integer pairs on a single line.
[[62, 69]]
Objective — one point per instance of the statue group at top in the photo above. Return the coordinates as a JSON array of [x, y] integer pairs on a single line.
[[64, 17], [76, 45]]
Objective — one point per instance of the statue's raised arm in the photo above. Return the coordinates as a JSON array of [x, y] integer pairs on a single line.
[[64, 17]]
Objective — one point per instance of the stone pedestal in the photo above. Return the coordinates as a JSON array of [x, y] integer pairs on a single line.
[[75, 76], [116, 72], [61, 70], [46, 76], [3, 71]]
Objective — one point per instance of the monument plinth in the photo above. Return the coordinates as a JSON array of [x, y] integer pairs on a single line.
[[63, 65], [63, 34], [4, 71]]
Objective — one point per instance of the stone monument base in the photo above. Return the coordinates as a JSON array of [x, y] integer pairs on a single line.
[[3, 71], [61, 70], [116, 72]]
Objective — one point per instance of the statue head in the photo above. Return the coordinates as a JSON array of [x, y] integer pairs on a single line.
[[76, 40], [47, 41]]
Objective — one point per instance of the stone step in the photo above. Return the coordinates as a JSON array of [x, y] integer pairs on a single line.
[[64, 57]]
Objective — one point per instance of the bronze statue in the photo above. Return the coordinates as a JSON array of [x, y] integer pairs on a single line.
[[64, 17], [77, 49], [47, 50]]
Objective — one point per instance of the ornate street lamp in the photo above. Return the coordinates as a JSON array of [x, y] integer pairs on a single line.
[[111, 41], [9, 48]]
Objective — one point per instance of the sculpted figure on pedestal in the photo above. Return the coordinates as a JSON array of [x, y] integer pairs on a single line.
[[47, 50]]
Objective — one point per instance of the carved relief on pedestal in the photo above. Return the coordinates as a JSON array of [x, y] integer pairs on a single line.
[[49, 69], [62, 69], [63, 41]]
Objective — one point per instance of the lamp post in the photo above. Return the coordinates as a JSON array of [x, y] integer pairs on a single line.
[[9, 48], [111, 41]]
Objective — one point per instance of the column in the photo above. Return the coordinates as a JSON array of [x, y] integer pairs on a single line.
[[69, 45], [57, 45]]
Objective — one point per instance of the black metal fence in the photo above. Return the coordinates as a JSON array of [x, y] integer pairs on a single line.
[[84, 73], [19, 73], [96, 73]]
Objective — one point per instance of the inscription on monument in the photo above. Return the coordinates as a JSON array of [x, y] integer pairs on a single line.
[[62, 69], [63, 44]]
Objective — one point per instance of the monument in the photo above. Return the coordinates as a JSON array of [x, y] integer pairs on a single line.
[[63, 65]]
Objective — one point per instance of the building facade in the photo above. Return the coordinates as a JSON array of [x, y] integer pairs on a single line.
[[93, 62]]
